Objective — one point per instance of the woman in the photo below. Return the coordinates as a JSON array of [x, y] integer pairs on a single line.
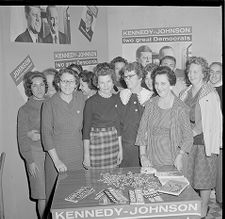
[[206, 120], [132, 100], [30, 146], [164, 134], [86, 83], [62, 117], [147, 82], [101, 130], [49, 74]]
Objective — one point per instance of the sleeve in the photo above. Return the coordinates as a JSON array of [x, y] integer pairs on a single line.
[[187, 135], [24, 142], [141, 139], [87, 119], [47, 126]]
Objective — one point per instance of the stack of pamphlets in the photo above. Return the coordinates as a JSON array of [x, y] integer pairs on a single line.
[[173, 182]]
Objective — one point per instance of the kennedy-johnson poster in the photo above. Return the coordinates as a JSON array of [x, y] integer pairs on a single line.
[[179, 38]]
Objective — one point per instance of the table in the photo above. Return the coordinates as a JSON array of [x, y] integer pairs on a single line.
[[187, 205]]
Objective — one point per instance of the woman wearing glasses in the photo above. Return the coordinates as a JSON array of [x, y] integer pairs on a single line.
[[132, 100], [62, 117]]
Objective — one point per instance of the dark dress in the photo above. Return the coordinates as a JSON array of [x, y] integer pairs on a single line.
[[201, 170], [32, 151], [130, 122], [61, 129]]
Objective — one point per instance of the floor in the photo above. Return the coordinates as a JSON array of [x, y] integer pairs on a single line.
[[215, 210]]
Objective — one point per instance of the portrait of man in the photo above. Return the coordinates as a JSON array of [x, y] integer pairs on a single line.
[[86, 25], [34, 22], [144, 55], [55, 36]]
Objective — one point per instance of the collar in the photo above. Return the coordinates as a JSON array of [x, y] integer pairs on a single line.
[[143, 95], [34, 37]]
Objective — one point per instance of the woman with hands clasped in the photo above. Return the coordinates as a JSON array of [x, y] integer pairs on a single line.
[[101, 130], [164, 134], [30, 147], [62, 117]]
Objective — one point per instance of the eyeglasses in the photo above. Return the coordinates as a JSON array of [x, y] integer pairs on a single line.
[[67, 82], [128, 77]]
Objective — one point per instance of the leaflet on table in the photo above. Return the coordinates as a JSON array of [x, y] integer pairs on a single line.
[[173, 187]]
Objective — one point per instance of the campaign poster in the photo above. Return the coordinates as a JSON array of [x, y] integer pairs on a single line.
[[87, 21], [18, 73], [179, 38], [40, 24], [88, 59]]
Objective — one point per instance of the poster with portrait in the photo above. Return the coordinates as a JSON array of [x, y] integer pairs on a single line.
[[87, 21], [178, 38], [40, 24]]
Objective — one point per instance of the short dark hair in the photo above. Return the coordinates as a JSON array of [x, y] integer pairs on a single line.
[[103, 69], [141, 49], [150, 67], [60, 73], [135, 66], [164, 70], [167, 57], [87, 76], [215, 63], [27, 81], [118, 59], [199, 61], [77, 66]]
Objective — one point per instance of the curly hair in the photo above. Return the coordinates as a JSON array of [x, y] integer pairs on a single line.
[[150, 68], [27, 81], [57, 77], [136, 67], [199, 61], [87, 76], [164, 70], [118, 59], [78, 67], [103, 69]]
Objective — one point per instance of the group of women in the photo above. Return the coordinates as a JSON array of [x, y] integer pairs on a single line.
[[97, 125]]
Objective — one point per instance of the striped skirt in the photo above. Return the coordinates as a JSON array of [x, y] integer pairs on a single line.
[[104, 147]]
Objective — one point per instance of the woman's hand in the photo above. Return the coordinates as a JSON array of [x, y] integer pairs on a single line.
[[86, 162], [60, 166], [32, 169], [178, 162], [34, 135], [145, 162]]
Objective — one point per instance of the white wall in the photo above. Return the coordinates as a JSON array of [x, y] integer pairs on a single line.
[[206, 25]]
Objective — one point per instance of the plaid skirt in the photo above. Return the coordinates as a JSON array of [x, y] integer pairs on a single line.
[[104, 147]]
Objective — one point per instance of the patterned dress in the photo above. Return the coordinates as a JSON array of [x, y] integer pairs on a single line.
[[161, 147], [201, 170]]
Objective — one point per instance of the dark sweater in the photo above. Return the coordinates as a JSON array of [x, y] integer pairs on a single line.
[[100, 112]]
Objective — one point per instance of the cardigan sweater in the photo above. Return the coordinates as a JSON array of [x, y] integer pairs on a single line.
[[211, 114]]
